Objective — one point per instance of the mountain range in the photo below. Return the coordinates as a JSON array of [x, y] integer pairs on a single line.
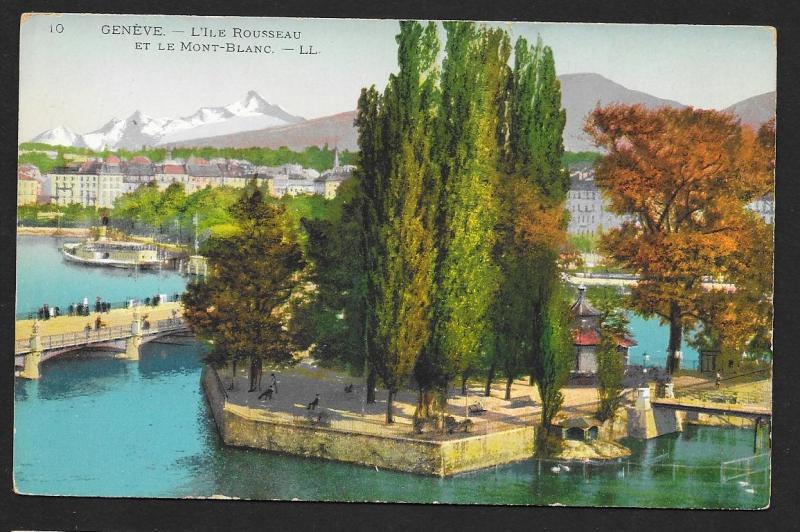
[[250, 113], [253, 121]]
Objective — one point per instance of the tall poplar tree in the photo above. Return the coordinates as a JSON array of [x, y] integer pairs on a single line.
[[399, 188], [531, 229], [473, 83]]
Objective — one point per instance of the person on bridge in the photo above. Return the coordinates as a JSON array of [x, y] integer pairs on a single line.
[[98, 323], [717, 379], [88, 330], [274, 382]]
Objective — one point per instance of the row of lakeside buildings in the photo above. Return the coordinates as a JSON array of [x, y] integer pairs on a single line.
[[99, 182], [589, 214]]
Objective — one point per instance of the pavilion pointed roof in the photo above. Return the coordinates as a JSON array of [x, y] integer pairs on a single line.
[[582, 308]]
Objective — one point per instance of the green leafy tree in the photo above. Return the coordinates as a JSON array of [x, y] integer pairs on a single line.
[[241, 306], [335, 313], [473, 83], [551, 366], [397, 185], [614, 326], [528, 327]]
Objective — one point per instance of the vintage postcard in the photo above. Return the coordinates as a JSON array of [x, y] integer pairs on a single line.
[[399, 261]]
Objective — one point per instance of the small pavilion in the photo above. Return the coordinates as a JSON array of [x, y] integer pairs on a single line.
[[577, 428], [586, 335]]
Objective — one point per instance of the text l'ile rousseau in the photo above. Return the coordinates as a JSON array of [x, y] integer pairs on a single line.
[[207, 39]]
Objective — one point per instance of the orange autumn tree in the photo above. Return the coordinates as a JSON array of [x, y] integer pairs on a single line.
[[684, 177], [739, 321]]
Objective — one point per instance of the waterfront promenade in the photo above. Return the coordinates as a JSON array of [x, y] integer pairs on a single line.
[[599, 279], [71, 324], [298, 385]]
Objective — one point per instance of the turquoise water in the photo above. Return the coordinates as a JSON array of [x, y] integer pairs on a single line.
[[652, 338], [43, 276], [104, 427], [98, 426]]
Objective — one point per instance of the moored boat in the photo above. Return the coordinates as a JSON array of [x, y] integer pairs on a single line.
[[114, 253]]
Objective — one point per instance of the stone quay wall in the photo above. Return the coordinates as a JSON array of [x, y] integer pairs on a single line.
[[240, 426]]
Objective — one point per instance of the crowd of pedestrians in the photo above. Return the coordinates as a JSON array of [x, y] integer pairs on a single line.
[[83, 308]]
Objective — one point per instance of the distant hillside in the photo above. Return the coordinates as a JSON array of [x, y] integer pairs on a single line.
[[580, 93], [756, 110], [332, 130], [254, 122]]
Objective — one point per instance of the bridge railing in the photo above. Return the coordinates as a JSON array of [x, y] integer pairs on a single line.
[[55, 341], [726, 396], [169, 324]]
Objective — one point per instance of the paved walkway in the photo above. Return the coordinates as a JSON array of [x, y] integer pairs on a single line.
[[68, 324], [298, 385]]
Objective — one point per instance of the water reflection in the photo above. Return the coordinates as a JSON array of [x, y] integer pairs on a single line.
[[160, 360], [143, 429], [43, 276], [80, 373]]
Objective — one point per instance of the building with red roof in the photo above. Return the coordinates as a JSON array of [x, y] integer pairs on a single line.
[[586, 335]]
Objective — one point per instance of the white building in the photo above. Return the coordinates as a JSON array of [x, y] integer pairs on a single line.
[[587, 209], [765, 207]]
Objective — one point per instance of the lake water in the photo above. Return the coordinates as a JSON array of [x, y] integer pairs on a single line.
[[98, 426], [43, 276]]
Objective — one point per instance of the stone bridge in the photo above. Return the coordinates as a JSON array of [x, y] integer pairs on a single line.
[[665, 413], [30, 353]]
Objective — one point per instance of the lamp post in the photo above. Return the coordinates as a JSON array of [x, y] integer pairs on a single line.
[[195, 221], [59, 188]]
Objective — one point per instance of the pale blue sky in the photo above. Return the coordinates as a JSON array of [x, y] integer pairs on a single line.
[[81, 78]]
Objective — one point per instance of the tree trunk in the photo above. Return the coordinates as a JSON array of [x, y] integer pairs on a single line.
[[530, 379], [389, 403], [489, 378], [252, 374], [509, 382], [675, 334], [464, 384], [259, 372], [233, 375], [371, 377]]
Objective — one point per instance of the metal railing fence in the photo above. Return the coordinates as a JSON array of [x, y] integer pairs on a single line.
[[104, 334]]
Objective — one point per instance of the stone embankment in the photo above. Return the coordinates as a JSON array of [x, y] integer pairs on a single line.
[[244, 426], [80, 232]]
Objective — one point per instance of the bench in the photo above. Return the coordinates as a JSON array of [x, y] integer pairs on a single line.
[[318, 418], [476, 409], [451, 425], [519, 402]]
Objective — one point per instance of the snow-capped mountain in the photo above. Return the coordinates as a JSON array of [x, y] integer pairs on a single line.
[[250, 113], [60, 136]]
